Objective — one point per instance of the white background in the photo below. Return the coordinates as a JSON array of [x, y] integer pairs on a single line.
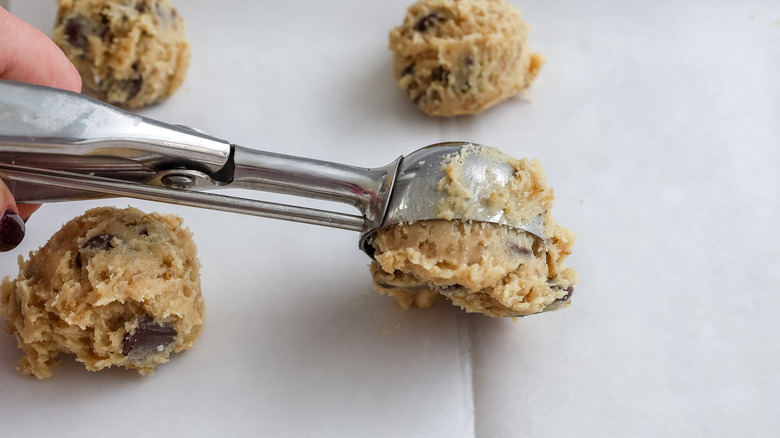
[[658, 124]]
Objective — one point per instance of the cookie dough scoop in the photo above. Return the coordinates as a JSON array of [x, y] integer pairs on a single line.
[[57, 145]]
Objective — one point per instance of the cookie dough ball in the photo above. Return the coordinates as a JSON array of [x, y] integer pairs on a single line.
[[462, 56], [113, 287], [130, 53], [483, 267]]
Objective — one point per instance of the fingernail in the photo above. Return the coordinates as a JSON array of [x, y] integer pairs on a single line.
[[11, 230]]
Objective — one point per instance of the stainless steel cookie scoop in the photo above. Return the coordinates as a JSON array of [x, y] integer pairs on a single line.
[[57, 145]]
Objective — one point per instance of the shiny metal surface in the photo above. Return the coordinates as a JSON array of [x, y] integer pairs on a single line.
[[42, 120], [367, 189], [57, 145], [416, 197], [231, 204]]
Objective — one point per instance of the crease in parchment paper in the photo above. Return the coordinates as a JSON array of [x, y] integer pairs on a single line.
[[466, 369], [449, 130]]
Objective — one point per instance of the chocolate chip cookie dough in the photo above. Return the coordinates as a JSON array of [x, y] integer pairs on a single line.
[[483, 267], [130, 53], [462, 56], [113, 287]]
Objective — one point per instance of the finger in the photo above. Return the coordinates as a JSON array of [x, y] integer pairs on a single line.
[[6, 199], [27, 55], [7, 202], [25, 210]]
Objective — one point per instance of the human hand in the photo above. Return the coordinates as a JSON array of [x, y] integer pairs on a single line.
[[27, 55]]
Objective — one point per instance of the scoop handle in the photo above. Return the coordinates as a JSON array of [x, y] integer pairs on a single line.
[[39, 123], [367, 189]]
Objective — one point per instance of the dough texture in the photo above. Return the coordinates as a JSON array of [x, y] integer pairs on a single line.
[[484, 267], [130, 53], [462, 56], [113, 287]]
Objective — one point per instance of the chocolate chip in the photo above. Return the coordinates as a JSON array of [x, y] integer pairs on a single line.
[[74, 32], [140, 229], [148, 337], [440, 74], [104, 28], [469, 61], [133, 86], [416, 288], [101, 242], [523, 251], [141, 7], [428, 21], [409, 69], [569, 291], [559, 303]]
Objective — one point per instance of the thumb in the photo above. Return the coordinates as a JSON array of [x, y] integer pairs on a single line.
[[27, 55]]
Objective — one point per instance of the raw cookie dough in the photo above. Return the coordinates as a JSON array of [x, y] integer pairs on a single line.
[[462, 56], [130, 53], [114, 287], [483, 267]]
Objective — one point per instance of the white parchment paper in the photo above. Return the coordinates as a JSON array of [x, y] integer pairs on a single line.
[[658, 124]]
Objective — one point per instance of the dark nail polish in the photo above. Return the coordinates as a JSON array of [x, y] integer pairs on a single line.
[[11, 230]]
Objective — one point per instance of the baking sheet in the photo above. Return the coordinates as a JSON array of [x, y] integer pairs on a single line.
[[658, 125]]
